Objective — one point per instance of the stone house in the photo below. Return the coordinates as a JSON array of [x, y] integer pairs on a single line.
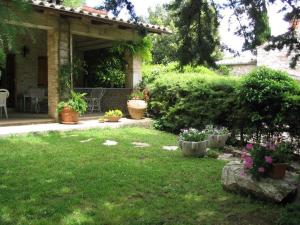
[[54, 34], [275, 59]]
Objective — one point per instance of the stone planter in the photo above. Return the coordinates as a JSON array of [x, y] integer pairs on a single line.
[[217, 141], [278, 170], [136, 109], [197, 149]]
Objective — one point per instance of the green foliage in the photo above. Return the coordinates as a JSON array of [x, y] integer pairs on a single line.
[[256, 30], [106, 68], [70, 72], [73, 3], [262, 97], [11, 10], [137, 95], [290, 216], [264, 102], [178, 98], [212, 154], [197, 24], [283, 153], [165, 47], [142, 48], [75, 102], [113, 113]]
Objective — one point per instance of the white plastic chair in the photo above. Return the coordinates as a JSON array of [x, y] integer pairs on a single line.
[[4, 94], [94, 101]]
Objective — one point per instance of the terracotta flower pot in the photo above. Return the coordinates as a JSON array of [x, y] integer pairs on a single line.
[[278, 170], [197, 149], [69, 116], [113, 118], [136, 109]]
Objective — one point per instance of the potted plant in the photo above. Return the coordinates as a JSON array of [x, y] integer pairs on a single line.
[[281, 157], [70, 110], [113, 115], [266, 160], [137, 105], [193, 142], [217, 137]]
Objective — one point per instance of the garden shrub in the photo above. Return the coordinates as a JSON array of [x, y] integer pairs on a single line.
[[264, 102], [263, 97], [179, 98]]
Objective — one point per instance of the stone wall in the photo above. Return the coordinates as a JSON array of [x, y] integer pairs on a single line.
[[27, 66], [241, 69], [277, 59]]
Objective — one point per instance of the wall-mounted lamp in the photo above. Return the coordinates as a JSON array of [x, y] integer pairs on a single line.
[[25, 51]]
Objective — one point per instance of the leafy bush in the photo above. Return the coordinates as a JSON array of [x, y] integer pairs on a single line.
[[113, 113], [177, 99], [263, 97], [75, 102], [261, 104]]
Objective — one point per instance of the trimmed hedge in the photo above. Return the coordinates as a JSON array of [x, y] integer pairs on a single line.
[[260, 103]]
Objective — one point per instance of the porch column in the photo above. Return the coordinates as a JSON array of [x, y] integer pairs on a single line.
[[133, 70], [53, 68]]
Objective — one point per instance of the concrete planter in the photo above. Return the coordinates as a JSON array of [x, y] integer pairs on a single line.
[[136, 109], [197, 149], [217, 141]]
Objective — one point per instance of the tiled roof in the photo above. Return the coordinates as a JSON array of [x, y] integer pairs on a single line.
[[97, 16], [238, 61]]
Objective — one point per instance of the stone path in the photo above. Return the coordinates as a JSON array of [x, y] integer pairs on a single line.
[[110, 143], [83, 125], [140, 145], [170, 148], [88, 140]]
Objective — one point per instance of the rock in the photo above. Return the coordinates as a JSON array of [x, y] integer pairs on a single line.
[[140, 145], [170, 148], [227, 157], [110, 143], [234, 179]]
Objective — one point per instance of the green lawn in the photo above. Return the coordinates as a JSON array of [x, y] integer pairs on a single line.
[[55, 179]]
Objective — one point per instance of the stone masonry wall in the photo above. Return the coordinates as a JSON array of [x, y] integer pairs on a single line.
[[241, 69], [277, 59]]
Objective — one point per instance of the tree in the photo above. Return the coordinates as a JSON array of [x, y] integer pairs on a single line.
[[164, 46], [197, 24], [253, 20], [257, 31], [10, 10], [73, 3], [195, 17]]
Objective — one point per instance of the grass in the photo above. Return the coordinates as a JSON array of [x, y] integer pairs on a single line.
[[56, 180]]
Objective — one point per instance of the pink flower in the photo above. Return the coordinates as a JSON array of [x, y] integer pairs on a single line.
[[248, 162], [269, 159], [261, 169], [244, 154], [249, 146]]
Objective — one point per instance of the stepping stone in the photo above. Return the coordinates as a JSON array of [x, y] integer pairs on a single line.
[[88, 140], [140, 144], [110, 143], [170, 148]]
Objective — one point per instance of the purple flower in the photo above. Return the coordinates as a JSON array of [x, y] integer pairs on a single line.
[[269, 159], [249, 146], [261, 169]]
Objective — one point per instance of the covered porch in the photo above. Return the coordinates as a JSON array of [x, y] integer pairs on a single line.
[[53, 38]]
